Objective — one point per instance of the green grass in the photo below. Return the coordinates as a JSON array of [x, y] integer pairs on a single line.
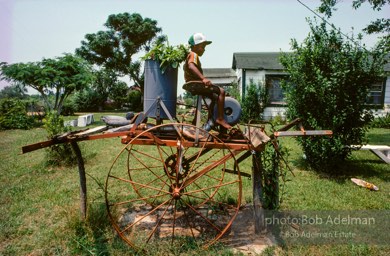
[[40, 205]]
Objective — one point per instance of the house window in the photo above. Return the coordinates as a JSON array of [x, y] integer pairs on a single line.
[[275, 92], [375, 95]]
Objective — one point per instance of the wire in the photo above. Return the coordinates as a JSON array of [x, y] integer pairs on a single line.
[[327, 22]]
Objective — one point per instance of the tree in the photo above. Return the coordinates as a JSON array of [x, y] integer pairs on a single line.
[[13, 91], [61, 76], [254, 102], [378, 26], [113, 49], [106, 86], [329, 81]]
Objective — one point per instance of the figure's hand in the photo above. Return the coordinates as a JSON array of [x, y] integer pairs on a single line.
[[206, 82]]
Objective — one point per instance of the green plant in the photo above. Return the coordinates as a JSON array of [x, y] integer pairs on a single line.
[[13, 115], [252, 108], [233, 91], [329, 80], [40, 214], [134, 99], [113, 48], [273, 169], [60, 154], [381, 122], [278, 120], [167, 55], [58, 77], [69, 107]]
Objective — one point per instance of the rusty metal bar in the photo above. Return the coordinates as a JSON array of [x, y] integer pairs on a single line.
[[48, 143]]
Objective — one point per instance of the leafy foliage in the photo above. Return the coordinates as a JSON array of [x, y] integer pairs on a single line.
[[13, 91], [167, 55], [13, 115], [114, 48], [377, 26], [329, 81], [233, 90], [87, 99], [253, 102], [134, 99], [62, 75], [381, 122], [60, 154], [273, 169]]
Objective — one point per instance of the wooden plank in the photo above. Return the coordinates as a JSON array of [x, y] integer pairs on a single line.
[[303, 133], [381, 155], [380, 147], [91, 131], [257, 137], [381, 151]]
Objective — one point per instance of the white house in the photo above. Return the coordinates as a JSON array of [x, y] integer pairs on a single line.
[[264, 69], [220, 76]]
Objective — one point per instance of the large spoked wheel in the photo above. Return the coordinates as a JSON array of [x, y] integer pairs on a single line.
[[173, 190]]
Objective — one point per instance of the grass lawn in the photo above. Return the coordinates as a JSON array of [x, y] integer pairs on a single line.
[[40, 204]]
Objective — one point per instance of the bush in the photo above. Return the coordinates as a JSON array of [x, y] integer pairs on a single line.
[[59, 154], [134, 100], [381, 122], [86, 100], [251, 108], [329, 81], [13, 115], [68, 108]]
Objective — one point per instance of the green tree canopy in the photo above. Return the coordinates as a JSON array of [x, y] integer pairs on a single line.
[[114, 48], [60, 76], [329, 83], [13, 91], [382, 25]]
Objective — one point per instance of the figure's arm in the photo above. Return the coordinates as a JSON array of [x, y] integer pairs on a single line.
[[194, 69]]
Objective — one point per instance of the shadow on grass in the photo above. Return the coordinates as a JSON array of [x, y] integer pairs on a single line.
[[95, 236], [351, 168]]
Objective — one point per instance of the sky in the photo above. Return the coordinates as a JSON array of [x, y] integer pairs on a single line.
[[31, 30]]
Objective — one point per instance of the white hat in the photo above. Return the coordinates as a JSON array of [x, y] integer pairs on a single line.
[[198, 38]]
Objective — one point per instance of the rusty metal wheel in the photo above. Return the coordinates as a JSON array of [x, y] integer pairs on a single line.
[[163, 187]]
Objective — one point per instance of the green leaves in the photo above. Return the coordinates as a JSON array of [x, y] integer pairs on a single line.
[[167, 55], [61, 76], [13, 114], [114, 48], [330, 79]]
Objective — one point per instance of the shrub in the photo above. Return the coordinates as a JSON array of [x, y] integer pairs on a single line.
[[59, 154], [328, 85], [251, 108], [13, 115], [68, 108], [134, 100], [381, 122], [86, 100]]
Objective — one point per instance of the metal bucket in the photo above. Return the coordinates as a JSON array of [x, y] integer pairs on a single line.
[[159, 85]]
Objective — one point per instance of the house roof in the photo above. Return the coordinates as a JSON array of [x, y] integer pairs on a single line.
[[219, 72], [265, 61], [257, 60]]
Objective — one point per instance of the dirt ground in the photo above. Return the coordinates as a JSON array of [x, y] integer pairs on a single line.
[[242, 237]]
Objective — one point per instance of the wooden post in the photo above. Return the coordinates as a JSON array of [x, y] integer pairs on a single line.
[[83, 179], [257, 174]]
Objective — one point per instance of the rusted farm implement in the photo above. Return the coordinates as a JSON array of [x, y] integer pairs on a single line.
[[176, 181]]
